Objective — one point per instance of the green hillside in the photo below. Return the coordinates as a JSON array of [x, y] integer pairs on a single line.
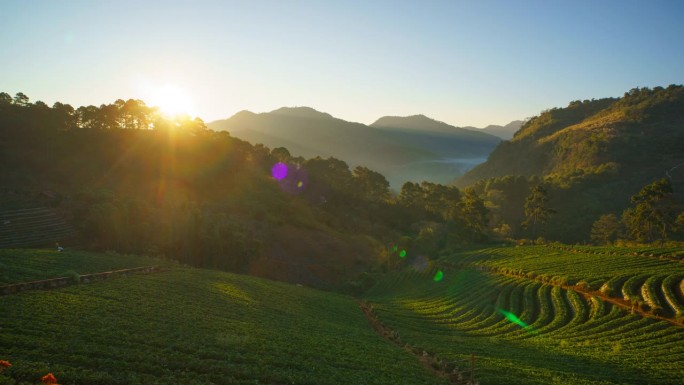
[[640, 134], [194, 326], [518, 311], [591, 157]]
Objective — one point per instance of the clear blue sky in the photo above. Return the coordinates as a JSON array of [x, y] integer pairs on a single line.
[[462, 62]]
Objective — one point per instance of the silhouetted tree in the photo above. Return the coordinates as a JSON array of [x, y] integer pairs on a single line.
[[370, 185], [21, 99]]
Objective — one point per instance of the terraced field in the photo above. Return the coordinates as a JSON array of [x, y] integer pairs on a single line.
[[517, 310], [191, 326], [32, 227], [21, 265], [529, 315]]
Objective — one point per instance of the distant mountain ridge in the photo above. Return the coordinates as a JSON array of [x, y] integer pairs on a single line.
[[504, 132], [413, 148]]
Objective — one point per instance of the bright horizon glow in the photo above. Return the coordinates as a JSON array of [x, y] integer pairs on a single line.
[[170, 100], [466, 63]]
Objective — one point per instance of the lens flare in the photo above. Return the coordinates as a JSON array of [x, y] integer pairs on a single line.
[[279, 171], [402, 254], [513, 318], [438, 276]]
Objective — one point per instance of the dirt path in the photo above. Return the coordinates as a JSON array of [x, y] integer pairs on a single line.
[[431, 362], [588, 294]]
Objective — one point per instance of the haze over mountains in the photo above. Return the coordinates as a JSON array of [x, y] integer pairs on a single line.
[[504, 132], [413, 148]]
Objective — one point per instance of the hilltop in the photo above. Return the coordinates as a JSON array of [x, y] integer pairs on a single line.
[[640, 133]]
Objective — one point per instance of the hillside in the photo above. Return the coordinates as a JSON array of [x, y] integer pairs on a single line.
[[543, 315], [402, 149], [591, 155], [193, 326], [122, 178], [641, 133]]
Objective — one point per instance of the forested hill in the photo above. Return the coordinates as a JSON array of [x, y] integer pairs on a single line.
[[131, 180], [590, 156], [640, 134], [415, 150]]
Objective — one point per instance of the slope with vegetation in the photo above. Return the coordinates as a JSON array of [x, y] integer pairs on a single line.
[[131, 181], [193, 326], [530, 314], [591, 157]]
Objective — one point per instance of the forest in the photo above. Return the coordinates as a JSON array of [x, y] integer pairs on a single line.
[[136, 181]]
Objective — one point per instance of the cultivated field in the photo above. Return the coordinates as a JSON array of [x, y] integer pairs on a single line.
[[530, 314], [192, 326]]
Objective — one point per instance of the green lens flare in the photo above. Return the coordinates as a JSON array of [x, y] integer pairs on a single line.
[[513, 318], [402, 253], [439, 276]]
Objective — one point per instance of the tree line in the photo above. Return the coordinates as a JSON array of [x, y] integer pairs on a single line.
[[135, 181]]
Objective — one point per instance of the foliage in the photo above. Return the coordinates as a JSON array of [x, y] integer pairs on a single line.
[[537, 211], [193, 326], [606, 229], [654, 213], [134, 181], [591, 156], [505, 306]]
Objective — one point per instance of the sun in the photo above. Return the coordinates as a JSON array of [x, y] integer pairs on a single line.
[[170, 100]]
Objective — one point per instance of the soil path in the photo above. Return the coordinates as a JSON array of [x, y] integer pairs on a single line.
[[431, 362]]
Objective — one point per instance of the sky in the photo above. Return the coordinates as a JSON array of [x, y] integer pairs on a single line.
[[467, 63]]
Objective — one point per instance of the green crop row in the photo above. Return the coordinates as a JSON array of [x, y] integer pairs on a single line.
[[523, 331], [191, 326]]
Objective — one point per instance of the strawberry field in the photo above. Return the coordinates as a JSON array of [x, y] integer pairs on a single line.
[[190, 326], [526, 330]]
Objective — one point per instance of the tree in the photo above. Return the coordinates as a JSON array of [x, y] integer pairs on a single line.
[[65, 116], [536, 209], [371, 185], [606, 229], [680, 223], [474, 214], [5, 98], [21, 99], [654, 213]]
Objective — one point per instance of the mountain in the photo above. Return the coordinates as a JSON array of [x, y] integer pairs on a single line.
[[593, 155], [504, 132], [640, 133], [414, 148], [420, 126]]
